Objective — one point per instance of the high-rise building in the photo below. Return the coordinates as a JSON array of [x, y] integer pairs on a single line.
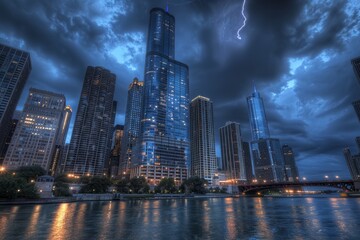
[[202, 138], [258, 122], [356, 66], [113, 165], [90, 143], [248, 163], [132, 125], [15, 67], [232, 152], [356, 105], [266, 153], [38, 131], [14, 123], [60, 141], [291, 170], [268, 160], [353, 163], [164, 144]]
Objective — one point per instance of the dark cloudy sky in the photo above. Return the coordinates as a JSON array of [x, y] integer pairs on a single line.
[[297, 52]]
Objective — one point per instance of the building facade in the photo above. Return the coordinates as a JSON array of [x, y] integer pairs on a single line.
[[132, 125], [164, 141], [356, 105], [353, 163], [4, 149], [232, 156], [60, 142], [114, 160], [268, 160], [15, 67], [291, 170], [356, 67], [202, 138], [38, 131], [93, 128], [248, 163]]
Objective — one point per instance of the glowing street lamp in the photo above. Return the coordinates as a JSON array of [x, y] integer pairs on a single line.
[[337, 177], [326, 177], [304, 178]]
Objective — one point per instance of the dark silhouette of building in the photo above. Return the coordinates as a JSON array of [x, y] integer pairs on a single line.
[[15, 67], [114, 160], [356, 105], [291, 170], [93, 128], [164, 144], [356, 67], [247, 161], [353, 163], [14, 122]]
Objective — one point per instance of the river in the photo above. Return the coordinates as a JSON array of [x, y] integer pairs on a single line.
[[213, 218]]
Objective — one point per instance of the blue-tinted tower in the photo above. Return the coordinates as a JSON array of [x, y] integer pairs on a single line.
[[258, 121], [266, 153], [164, 144]]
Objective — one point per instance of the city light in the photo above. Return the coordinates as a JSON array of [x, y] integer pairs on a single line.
[[304, 178], [2, 169]]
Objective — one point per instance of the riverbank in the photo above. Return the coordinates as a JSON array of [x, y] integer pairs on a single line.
[[109, 197]]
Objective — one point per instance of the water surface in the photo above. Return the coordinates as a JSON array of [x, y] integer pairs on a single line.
[[215, 218]]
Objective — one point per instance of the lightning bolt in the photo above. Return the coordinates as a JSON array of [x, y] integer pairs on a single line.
[[244, 23]]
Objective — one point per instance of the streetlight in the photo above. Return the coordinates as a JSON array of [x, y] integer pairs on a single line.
[[326, 177], [304, 178], [337, 177]]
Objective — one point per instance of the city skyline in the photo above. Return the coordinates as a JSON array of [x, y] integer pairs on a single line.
[[316, 121]]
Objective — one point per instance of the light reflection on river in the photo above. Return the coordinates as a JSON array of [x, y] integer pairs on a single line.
[[215, 218]]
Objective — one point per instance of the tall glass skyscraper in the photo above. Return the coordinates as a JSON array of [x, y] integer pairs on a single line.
[[203, 157], [258, 121], [15, 67], [266, 153], [132, 125], [93, 129], [164, 144], [233, 159], [38, 131]]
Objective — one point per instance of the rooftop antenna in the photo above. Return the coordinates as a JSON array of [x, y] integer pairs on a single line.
[[167, 6], [254, 86]]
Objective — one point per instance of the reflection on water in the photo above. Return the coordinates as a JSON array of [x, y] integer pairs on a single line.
[[241, 218]]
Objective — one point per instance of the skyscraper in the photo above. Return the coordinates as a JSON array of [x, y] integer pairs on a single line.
[[356, 105], [247, 160], [132, 125], [353, 163], [15, 67], [291, 170], [38, 131], [266, 153], [93, 128], [113, 165], [164, 144], [356, 67], [202, 137], [258, 122], [14, 123], [232, 152], [60, 141]]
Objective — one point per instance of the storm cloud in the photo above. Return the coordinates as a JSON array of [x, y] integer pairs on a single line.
[[297, 53]]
